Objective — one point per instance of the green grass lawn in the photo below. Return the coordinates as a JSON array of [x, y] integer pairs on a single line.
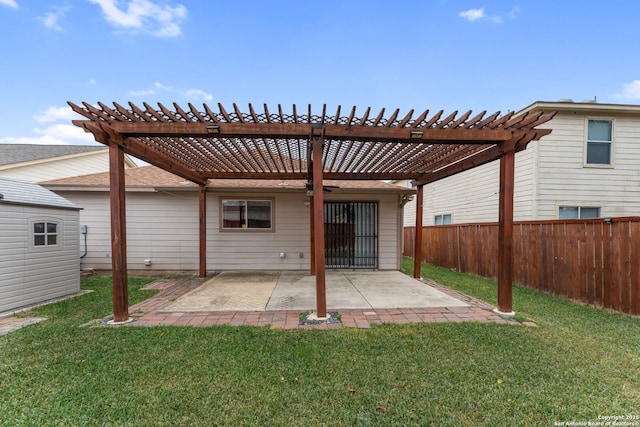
[[577, 364]]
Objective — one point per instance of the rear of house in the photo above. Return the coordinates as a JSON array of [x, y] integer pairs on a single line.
[[39, 241], [251, 224]]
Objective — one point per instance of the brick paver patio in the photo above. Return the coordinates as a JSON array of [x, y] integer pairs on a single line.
[[149, 312]]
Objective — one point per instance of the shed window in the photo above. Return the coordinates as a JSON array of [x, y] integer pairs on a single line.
[[443, 219], [246, 214], [45, 233], [578, 212], [599, 142]]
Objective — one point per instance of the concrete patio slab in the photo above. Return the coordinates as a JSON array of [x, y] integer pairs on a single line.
[[296, 290], [229, 290], [392, 289]]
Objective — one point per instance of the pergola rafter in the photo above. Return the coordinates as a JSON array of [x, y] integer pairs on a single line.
[[257, 143], [199, 145]]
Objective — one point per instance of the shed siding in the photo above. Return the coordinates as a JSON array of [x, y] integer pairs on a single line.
[[33, 275], [163, 227]]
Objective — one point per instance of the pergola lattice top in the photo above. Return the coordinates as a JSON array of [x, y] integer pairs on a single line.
[[201, 145]]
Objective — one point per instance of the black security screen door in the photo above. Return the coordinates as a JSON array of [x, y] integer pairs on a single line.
[[351, 234]]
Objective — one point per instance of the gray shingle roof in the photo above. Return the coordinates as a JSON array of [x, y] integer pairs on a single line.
[[18, 153], [19, 192]]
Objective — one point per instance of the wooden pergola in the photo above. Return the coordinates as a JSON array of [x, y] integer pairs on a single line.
[[199, 145]]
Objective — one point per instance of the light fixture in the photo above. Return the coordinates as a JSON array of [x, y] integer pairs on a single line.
[[213, 129], [416, 134]]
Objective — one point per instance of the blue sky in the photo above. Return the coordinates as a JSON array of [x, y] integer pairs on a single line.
[[494, 55]]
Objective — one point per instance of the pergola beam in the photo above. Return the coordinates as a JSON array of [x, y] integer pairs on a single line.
[[486, 156], [301, 130]]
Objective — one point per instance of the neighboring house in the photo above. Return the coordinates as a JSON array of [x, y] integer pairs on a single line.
[[589, 166], [39, 240], [251, 224], [45, 162]]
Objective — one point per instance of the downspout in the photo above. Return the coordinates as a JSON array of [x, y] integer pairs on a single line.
[[83, 230]]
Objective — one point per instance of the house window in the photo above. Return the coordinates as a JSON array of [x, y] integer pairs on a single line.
[[45, 233], [443, 219], [599, 142], [578, 212], [247, 214]]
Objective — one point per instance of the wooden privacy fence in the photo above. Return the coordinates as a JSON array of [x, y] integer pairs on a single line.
[[595, 261]]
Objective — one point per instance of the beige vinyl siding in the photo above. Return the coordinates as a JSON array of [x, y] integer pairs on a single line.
[[260, 249], [548, 174], [565, 180], [30, 275], [63, 167], [470, 196], [163, 227], [525, 183]]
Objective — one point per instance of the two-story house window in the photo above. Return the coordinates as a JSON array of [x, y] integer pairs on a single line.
[[599, 142]]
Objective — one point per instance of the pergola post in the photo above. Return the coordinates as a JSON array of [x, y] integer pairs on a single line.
[[312, 257], [318, 222], [202, 214], [505, 233], [417, 241], [118, 234]]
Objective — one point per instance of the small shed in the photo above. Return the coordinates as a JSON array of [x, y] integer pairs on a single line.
[[39, 245]]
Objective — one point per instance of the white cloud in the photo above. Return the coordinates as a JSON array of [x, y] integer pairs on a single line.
[[60, 132], [630, 90], [142, 92], [197, 93], [10, 3], [144, 15], [472, 14], [191, 94], [65, 133], [51, 19], [40, 140], [479, 14], [54, 114]]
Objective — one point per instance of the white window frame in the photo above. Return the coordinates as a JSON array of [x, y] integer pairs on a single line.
[[248, 229], [442, 218], [580, 208], [611, 143]]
